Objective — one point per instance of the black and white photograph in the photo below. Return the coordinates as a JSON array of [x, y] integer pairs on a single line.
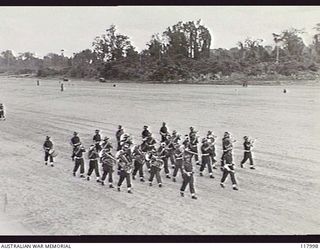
[[159, 120]]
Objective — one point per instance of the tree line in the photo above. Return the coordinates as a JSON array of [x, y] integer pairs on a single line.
[[180, 53]]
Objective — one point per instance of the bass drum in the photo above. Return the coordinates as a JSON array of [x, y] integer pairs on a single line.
[[53, 153]]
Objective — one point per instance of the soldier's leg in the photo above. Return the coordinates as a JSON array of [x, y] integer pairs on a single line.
[[46, 156], [121, 179], [104, 175], [172, 160], [90, 170], [151, 177], [191, 186], [184, 183], [209, 167], [76, 166], [110, 172], [166, 168], [251, 161], [135, 169], [245, 158], [233, 178], [51, 160], [81, 168], [128, 179], [203, 165], [224, 177], [96, 169], [158, 177], [141, 172]]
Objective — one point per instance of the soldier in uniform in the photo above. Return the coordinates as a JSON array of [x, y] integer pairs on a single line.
[[145, 132], [228, 167], [193, 145], [163, 155], [175, 137], [163, 132], [2, 116], [178, 155], [205, 154], [211, 139], [108, 160], [124, 167], [156, 165], [97, 139], [47, 146], [93, 156], [79, 161], [186, 141], [187, 174], [119, 132], [75, 141], [225, 139], [139, 159], [106, 144], [248, 144], [170, 149]]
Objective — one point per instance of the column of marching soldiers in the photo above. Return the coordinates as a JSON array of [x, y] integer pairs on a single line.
[[130, 159]]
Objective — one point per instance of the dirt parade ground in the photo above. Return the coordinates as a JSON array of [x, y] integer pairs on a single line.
[[278, 197]]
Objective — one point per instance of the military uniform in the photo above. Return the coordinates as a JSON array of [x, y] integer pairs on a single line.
[[178, 154], [171, 148], [228, 168], [187, 175], [106, 144], [194, 147], [247, 145], [205, 161], [108, 161], [124, 167], [145, 133], [118, 136], [75, 141], [96, 140], [2, 111], [139, 159], [79, 161], [163, 155], [47, 146], [93, 156], [212, 152], [156, 165], [163, 132]]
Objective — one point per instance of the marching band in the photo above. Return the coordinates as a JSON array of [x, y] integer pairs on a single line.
[[130, 158]]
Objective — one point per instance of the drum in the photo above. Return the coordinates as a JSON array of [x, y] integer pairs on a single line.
[[53, 153]]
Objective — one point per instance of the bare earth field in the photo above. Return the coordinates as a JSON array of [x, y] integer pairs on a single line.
[[280, 197]]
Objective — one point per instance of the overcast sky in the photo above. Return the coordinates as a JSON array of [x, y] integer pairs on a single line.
[[49, 29]]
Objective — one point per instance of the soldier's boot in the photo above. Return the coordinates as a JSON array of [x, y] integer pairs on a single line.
[[74, 173], [51, 164], [102, 183], [234, 187], [142, 179], [214, 166], [160, 185], [252, 167], [201, 174], [82, 176], [150, 183], [193, 196], [88, 178], [98, 180], [211, 176], [222, 185], [174, 179], [45, 163], [118, 189], [129, 191], [182, 193], [110, 185], [133, 177], [168, 176]]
